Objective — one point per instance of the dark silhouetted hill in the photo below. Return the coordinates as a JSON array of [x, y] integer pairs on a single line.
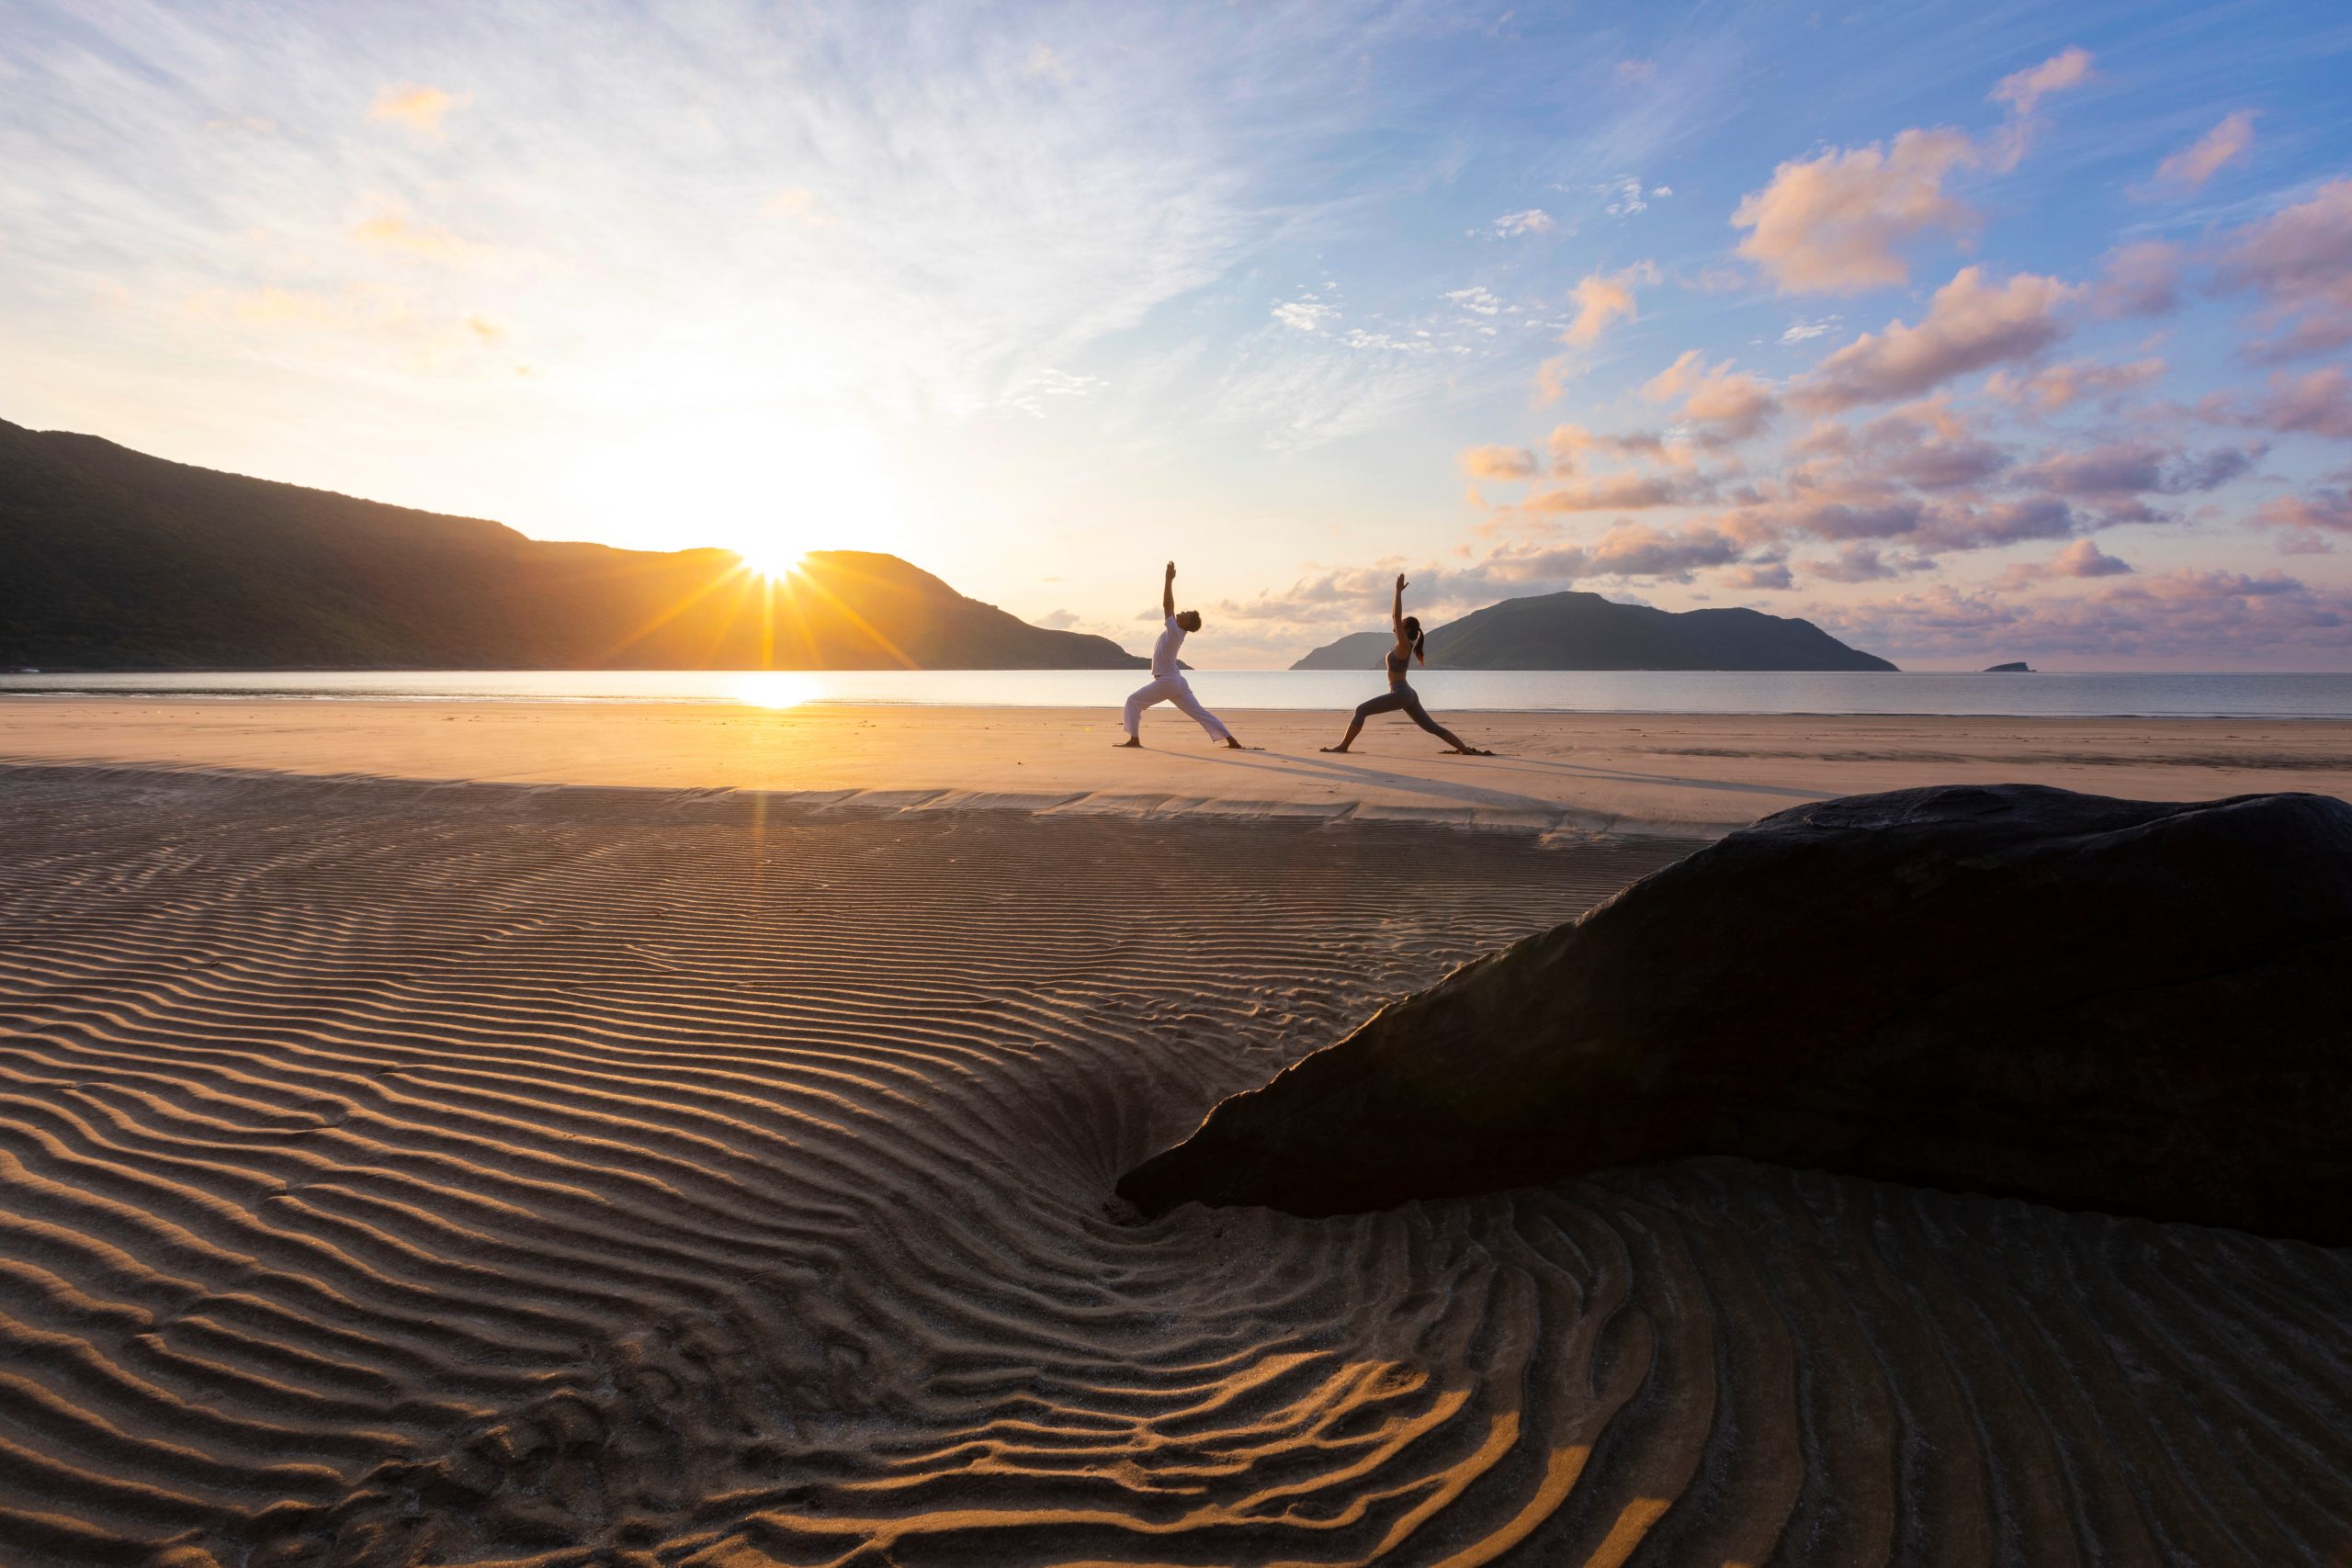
[[1583, 631], [113, 559]]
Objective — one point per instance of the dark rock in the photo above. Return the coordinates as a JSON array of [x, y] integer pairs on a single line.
[[2102, 1004], [2020, 668]]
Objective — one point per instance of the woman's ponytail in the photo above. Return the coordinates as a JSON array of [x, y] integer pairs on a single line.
[[1420, 644], [1412, 624]]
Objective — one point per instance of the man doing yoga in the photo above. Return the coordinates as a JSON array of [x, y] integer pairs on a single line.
[[1168, 683]]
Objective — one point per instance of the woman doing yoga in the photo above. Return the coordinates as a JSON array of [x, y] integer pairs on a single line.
[[1400, 691]]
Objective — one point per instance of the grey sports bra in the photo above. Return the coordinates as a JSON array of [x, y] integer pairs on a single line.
[[1399, 659]]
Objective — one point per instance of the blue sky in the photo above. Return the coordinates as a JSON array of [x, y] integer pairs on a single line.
[[1969, 331]]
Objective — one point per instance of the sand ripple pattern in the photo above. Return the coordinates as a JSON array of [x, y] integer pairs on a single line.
[[398, 1175]]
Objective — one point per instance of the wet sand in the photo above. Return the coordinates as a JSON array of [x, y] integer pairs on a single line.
[[1575, 773], [394, 1174]]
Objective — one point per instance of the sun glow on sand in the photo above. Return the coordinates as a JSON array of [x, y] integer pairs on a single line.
[[776, 688]]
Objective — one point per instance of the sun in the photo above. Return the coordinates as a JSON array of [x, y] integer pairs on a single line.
[[773, 561]]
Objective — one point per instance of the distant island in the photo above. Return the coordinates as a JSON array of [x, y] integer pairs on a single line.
[[2019, 668], [1583, 631], [113, 559]]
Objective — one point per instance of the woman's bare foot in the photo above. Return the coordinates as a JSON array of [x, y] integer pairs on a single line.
[[1233, 745], [1337, 751], [1134, 742]]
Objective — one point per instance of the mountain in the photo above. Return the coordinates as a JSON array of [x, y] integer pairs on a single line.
[[113, 559], [1583, 631]]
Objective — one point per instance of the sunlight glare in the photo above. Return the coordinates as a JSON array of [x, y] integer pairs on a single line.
[[775, 688]]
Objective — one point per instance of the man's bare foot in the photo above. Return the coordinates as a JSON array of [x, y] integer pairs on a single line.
[[1337, 751], [1131, 742]]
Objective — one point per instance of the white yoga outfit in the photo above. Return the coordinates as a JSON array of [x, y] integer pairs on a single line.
[[1168, 685]]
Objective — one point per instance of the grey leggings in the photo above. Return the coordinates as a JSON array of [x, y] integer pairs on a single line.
[[1401, 695]]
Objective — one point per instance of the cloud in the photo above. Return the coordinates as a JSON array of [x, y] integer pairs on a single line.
[[1763, 576], [2186, 613], [1498, 462], [1643, 71], [2318, 402], [1305, 315], [2062, 385], [2188, 169], [1569, 442], [2133, 467], [797, 203], [1600, 299], [1636, 550], [1511, 225], [2082, 558], [2024, 90], [2322, 510], [1970, 325], [1802, 330], [1830, 225], [2142, 279], [2299, 261], [1475, 299], [1728, 405], [1625, 196], [419, 109], [1620, 493], [1924, 445], [1865, 563], [390, 232]]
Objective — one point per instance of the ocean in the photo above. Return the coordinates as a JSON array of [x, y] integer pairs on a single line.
[[2233, 695]]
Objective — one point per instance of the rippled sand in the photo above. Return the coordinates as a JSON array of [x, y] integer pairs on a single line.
[[399, 1175]]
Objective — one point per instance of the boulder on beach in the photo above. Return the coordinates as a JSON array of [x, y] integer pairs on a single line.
[[2134, 1008]]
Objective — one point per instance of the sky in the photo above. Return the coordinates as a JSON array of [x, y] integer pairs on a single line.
[[1970, 332]]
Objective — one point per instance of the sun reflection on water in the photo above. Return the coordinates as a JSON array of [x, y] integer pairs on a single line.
[[775, 688]]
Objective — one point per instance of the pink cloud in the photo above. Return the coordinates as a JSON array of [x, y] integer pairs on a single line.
[[1601, 299], [2060, 386], [1729, 406], [1970, 325], [2190, 168], [1762, 577], [2299, 261], [2024, 90], [2184, 614], [2142, 279], [1865, 563], [2081, 559], [1498, 462], [2322, 509], [1636, 550], [1831, 224], [1620, 493], [2318, 402]]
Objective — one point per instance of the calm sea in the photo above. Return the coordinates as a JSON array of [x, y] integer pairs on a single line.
[[2077, 696]]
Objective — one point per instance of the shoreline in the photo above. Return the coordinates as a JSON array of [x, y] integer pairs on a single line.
[[1573, 776]]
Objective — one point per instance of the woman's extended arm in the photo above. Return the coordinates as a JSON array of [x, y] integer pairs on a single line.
[[1396, 610]]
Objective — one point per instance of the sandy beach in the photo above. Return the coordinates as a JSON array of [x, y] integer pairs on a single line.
[[1677, 774], [398, 1172]]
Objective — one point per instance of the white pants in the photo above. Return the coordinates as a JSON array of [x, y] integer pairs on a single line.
[[1173, 689]]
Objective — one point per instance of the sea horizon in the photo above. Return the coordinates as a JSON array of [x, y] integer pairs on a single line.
[[2314, 694]]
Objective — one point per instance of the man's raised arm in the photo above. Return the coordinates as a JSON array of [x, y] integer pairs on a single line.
[[1167, 592]]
